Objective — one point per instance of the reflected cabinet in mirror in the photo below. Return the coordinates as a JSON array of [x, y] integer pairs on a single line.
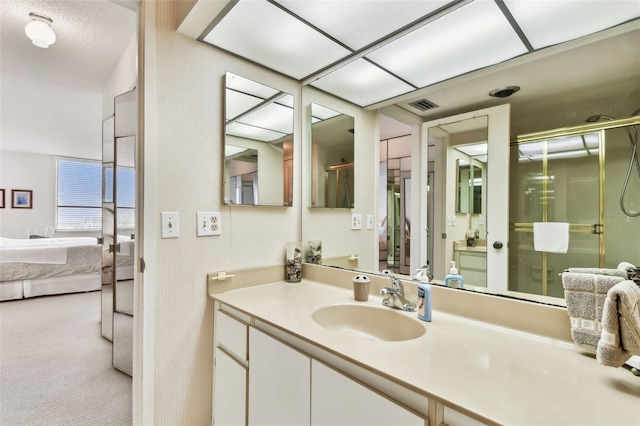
[[258, 150], [332, 158]]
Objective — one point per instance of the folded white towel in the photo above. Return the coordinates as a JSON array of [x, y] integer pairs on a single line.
[[552, 237], [620, 337]]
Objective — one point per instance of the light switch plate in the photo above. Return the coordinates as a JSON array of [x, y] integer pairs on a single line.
[[208, 223], [369, 221], [356, 221], [170, 225]]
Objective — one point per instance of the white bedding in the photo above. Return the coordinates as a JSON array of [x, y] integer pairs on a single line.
[[41, 250], [34, 267]]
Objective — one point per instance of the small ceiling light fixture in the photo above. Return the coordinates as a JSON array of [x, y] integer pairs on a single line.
[[504, 92], [39, 30]]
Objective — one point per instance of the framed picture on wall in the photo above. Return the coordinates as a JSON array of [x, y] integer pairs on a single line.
[[1, 198], [21, 199]]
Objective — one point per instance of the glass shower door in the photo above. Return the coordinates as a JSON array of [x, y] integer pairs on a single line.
[[554, 180]]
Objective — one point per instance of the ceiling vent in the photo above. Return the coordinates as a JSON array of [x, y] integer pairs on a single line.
[[423, 104]]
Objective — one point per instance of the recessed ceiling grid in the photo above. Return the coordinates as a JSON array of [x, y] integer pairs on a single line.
[[367, 52]]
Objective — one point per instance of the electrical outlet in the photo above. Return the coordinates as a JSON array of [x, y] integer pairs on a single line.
[[369, 221], [170, 225], [208, 223], [356, 221]]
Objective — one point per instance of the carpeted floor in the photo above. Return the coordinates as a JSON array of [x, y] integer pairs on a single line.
[[55, 367]]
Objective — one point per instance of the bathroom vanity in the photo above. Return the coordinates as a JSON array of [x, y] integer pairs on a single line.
[[471, 262], [278, 362]]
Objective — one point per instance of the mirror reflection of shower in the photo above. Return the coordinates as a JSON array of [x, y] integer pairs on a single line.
[[632, 134], [332, 158]]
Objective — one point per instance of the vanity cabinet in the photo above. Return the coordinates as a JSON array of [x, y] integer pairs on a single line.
[[261, 380], [230, 390], [472, 265], [279, 382], [230, 370], [338, 400]]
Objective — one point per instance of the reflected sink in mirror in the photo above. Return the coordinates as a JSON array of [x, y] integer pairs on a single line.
[[369, 322]]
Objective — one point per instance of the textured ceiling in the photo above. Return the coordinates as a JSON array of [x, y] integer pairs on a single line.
[[91, 37]]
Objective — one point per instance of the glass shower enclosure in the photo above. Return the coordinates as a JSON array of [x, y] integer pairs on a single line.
[[572, 175]]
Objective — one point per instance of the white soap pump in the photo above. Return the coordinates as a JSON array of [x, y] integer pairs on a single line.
[[453, 279]]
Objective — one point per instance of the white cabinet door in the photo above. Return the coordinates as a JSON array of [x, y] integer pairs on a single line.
[[279, 382], [230, 391], [338, 400]]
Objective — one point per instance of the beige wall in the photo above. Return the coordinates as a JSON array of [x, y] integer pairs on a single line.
[[183, 158]]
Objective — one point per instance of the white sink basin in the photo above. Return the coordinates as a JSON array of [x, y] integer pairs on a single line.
[[369, 322]]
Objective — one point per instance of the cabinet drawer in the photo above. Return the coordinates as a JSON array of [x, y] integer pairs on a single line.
[[473, 261], [232, 335]]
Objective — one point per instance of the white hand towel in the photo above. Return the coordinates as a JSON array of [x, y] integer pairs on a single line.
[[551, 236]]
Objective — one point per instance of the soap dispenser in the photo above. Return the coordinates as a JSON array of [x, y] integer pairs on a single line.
[[424, 294], [453, 279]]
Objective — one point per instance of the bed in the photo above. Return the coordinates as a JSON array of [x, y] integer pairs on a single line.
[[45, 266]]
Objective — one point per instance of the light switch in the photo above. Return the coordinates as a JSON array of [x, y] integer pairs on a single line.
[[208, 223], [170, 225], [369, 221], [356, 221]]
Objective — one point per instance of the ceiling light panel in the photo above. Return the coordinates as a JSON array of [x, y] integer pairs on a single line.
[[251, 132], [238, 103], [358, 23], [230, 150], [551, 22], [272, 117], [263, 33], [469, 38], [474, 150], [362, 83], [323, 113], [244, 85]]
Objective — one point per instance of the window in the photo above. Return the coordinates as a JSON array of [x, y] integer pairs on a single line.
[[78, 194]]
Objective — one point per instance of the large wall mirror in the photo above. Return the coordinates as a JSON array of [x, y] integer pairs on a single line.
[[258, 150], [611, 90], [332, 158]]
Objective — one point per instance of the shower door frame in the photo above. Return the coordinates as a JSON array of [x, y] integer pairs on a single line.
[[598, 228]]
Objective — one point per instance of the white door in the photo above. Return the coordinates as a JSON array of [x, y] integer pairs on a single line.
[[494, 219], [279, 382], [230, 391], [337, 400]]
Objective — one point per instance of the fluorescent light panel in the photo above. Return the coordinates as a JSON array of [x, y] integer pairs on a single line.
[[469, 38], [251, 132], [261, 32], [230, 150], [245, 85], [362, 83], [545, 23], [237, 103], [358, 23], [274, 117], [474, 150], [322, 112]]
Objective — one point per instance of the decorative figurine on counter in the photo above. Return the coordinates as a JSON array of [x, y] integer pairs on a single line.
[[293, 263]]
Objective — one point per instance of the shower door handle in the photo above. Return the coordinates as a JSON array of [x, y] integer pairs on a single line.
[[497, 245]]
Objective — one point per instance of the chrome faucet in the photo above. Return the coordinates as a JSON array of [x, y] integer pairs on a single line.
[[394, 296]]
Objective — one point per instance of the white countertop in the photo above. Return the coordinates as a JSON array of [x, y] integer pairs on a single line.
[[498, 374]]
